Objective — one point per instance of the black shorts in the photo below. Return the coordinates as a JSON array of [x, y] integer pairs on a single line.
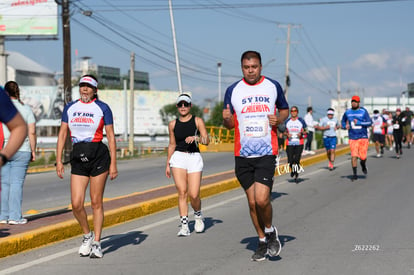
[[94, 166], [251, 170], [378, 137]]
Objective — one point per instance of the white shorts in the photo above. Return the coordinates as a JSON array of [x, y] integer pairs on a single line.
[[192, 162]]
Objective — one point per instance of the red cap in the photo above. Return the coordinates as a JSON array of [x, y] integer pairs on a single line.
[[355, 98], [398, 110]]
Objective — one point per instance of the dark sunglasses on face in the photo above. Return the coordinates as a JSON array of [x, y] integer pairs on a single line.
[[183, 103]]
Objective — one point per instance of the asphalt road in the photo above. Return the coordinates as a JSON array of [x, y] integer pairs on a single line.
[[327, 225]]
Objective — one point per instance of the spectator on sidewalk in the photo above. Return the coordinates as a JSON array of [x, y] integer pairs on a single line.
[[13, 173], [309, 131]]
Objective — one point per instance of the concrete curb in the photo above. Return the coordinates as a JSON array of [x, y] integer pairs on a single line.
[[53, 233]]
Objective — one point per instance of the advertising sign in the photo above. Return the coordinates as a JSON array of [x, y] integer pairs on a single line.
[[28, 17]]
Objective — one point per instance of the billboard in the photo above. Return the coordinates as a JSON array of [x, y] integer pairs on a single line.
[[147, 105], [28, 17]]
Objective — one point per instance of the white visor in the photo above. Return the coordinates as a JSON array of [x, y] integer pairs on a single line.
[[330, 112], [89, 80], [183, 98]]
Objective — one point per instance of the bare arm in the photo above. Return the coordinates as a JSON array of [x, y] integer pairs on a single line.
[[110, 135], [203, 131], [228, 119], [171, 147], [32, 139], [18, 132], [63, 132], [283, 115]]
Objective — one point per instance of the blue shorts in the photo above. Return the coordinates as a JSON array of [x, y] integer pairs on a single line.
[[329, 143]]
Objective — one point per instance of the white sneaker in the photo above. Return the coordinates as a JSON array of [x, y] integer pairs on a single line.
[[378, 155], [85, 248], [96, 251], [199, 224], [21, 221], [3, 221], [311, 152], [304, 153], [184, 231]]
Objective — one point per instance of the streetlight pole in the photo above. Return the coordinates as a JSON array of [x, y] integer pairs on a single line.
[[177, 61], [219, 81]]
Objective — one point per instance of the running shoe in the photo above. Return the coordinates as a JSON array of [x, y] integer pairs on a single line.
[[330, 166], [273, 244], [184, 231], [199, 224], [260, 254], [354, 177], [364, 168], [311, 152], [378, 155], [15, 222], [86, 246], [96, 250], [3, 221]]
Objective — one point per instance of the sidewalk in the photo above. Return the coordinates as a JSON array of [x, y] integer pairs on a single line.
[[60, 224]]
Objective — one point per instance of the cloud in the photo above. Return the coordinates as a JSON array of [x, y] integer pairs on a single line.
[[319, 74], [377, 61]]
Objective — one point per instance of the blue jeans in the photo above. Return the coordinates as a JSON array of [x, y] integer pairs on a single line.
[[13, 175]]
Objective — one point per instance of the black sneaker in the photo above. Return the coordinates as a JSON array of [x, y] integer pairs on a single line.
[[260, 254], [354, 177], [364, 169], [273, 244]]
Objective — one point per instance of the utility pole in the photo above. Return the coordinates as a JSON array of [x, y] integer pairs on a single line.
[[131, 105], [338, 89], [287, 77], [3, 61], [67, 68]]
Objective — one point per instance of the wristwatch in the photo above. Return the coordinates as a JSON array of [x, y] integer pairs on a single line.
[[4, 159]]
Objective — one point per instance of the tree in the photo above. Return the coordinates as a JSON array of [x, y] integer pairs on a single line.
[[170, 112], [216, 118]]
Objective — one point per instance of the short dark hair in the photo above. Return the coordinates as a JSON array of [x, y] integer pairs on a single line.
[[309, 109], [376, 112], [251, 54]]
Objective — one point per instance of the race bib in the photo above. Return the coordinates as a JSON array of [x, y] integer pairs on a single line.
[[331, 124], [377, 129], [353, 126], [255, 128], [396, 126]]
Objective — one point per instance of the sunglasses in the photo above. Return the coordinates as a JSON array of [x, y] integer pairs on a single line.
[[183, 103], [293, 111]]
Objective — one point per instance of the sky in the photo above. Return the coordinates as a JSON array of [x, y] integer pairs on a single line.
[[370, 44]]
